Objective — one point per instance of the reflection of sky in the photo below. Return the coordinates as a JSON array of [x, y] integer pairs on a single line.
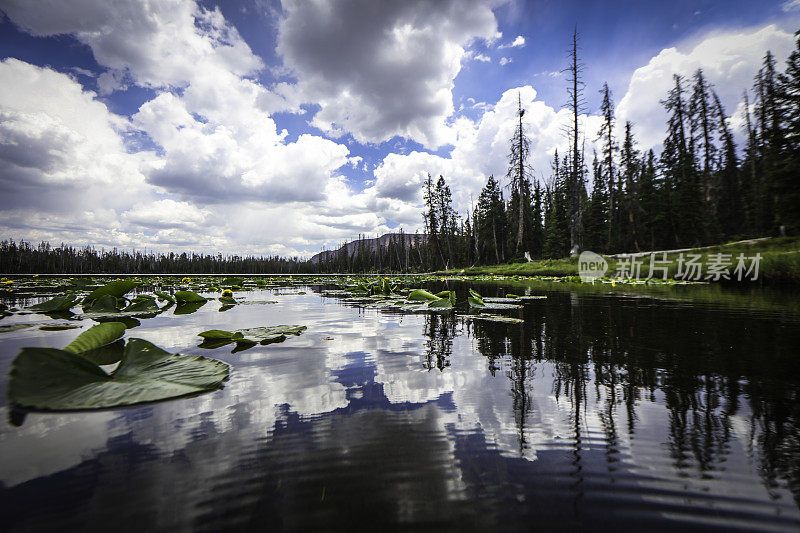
[[350, 399]]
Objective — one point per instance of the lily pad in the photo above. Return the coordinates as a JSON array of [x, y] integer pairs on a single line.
[[474, 299], [95, 337], [421, 295], [105, 308], [496, 318], [58, 327], [165, 297], [441, 303], [187, 308], [247, 338], [57, 380], [59, 303], [16, 327], [188, 297], [117, 289]]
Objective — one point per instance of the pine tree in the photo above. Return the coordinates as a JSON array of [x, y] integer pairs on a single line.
[[628, 210], [730, 207], [557, 222], [490, 223], [595, 222], [651, 204], [678, 163], [606, 136]]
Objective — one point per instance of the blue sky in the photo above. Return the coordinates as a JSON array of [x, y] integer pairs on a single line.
[[259, 127]]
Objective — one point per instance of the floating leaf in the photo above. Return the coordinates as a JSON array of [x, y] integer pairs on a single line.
[[421, 295], [165, 297], [59, 303], [15, 327], [450, 295], [188, 297], [474, 299], [441, 303], [499, 306], [187, 308], [105, 308], [495, 318], [58, 327], [96, 337], [117, 289], [57, 380], [104, 304], [247, 338], [227, 300], [106, 355]]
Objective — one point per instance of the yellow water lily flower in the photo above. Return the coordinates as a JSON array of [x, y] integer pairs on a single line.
[[36, 275], [186, 279], [228, 293]]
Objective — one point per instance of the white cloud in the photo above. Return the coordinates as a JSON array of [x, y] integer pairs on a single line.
[[519, 42], [482, 58], [505, 61], [729, 61], [378, 73]]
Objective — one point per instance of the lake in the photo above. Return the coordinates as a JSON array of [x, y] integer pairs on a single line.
[[671, 409]]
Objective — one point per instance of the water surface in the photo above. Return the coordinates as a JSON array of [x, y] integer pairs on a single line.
[[603, 411]]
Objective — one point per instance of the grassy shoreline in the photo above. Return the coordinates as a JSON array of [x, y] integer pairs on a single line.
[[780, 262]]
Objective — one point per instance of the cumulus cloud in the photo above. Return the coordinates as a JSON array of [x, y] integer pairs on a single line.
[[382, 72], [56, 138], [505, 61]]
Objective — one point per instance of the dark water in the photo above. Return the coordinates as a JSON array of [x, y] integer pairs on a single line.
[[602, 412]]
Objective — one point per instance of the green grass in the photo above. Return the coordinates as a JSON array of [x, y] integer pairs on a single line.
[[780, 262]]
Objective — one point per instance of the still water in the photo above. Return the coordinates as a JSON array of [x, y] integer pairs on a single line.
[[601, 412]]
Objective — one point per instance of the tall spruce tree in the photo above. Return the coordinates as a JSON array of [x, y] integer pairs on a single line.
[[678, 164], [628, 199], [595, 222], [490, 223], [609, 148]]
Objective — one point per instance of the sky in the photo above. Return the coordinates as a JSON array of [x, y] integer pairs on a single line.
[[262, 127]]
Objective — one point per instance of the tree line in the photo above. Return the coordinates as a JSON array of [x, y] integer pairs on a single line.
[[24, 258]]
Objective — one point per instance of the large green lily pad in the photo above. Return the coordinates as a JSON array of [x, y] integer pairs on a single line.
[[58, 380]]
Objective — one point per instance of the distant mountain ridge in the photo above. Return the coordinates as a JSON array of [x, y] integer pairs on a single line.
[[370, 244]]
